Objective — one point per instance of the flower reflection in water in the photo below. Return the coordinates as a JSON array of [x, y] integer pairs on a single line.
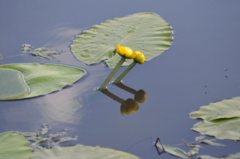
[[130, 105]]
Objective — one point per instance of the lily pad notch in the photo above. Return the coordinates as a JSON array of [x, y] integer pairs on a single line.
[[146, 32], [43, 79]]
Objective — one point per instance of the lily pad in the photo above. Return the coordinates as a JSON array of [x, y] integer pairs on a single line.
[[12, 85], [221, 119], [145, 32], [233, 156], [229, 108], [13, 145], [81, 152], [46, 78]]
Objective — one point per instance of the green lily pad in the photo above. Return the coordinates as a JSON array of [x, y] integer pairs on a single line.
[[12, 85], [46, 78], [13, 145], [145, 32], [233, 156], [81, 152], [221, 119]]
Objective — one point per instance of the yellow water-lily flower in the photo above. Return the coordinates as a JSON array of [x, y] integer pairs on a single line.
[[125, 52], [139, 57]]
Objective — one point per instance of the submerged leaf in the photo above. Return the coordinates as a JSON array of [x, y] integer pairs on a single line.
[[174, 151], [27, 134], [46, 78], [193, 152], [66, 139], [221, 119], [36, 139], [46, 53], [81, 152], [144, 32], [26, 48], [12, 85], [44, 129], [36, 147], [57, 134], [199, 138], [178, 152], [13, 145], [211, 142]]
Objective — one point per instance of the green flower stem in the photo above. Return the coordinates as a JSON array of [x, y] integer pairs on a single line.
[[120, 77], [110, 76]]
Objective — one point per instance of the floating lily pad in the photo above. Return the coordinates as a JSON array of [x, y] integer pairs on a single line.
[[14, 146], [81, 152], [145, 32], [233, 156], [12, 85], [221, 119], [46, 78]]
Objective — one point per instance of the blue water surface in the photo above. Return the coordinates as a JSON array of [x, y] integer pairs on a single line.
[[202, 66]]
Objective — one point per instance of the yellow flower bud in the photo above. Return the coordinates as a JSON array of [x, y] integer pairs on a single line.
[[125, 51], [139, 57]]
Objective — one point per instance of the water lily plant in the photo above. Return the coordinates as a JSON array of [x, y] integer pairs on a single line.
[[128, 53], [138, 58]]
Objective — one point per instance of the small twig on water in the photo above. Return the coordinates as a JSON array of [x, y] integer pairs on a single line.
[[159, 153], [188, 148], [163, 150], [158, 140]]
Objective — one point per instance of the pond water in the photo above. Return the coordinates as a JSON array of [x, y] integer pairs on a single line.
[[201, 67]]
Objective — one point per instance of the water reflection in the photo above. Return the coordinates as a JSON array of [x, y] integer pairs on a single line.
[[61, 110], [130, 105], [139, 96], [60, 37]]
